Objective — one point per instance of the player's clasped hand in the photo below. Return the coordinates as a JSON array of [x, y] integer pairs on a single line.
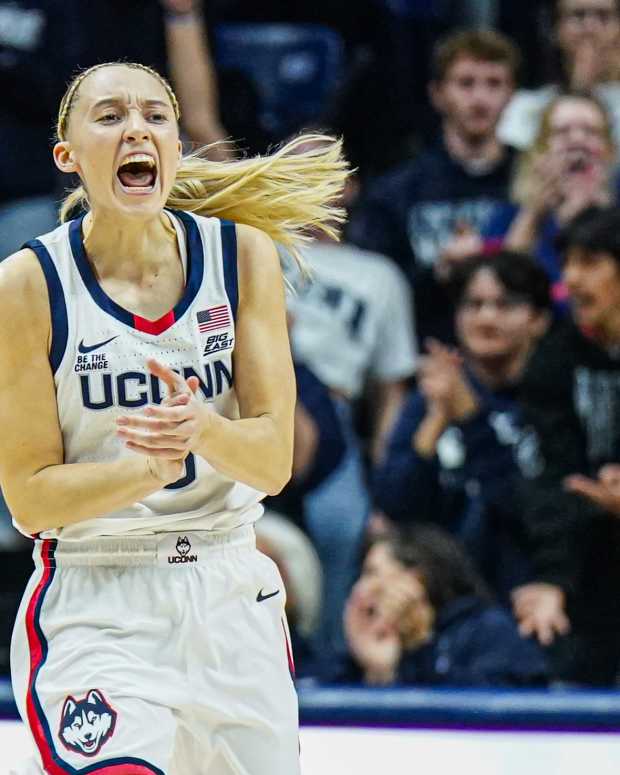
[[169, 430]]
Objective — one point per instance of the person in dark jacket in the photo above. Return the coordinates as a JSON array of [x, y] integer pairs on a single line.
[[413, 212], [571, 402], [420, 615], [319, 447], [451, 457]]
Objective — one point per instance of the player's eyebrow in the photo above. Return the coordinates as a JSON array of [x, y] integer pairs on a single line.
[[150, 103], [157, 104], [106, 101]]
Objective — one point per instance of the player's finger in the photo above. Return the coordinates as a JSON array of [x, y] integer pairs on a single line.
[[167, 413], [148, 423], [148, 439], [176, 399], [173, 381], [169, 454]]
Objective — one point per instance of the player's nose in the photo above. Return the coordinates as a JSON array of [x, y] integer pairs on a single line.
[[137, 127]]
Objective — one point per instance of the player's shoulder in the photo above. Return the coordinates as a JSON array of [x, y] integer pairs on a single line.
[[250, 239], [20, 276], [256, 252], [24, 305]]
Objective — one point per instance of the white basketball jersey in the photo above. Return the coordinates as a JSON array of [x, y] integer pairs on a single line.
[[98, 355]]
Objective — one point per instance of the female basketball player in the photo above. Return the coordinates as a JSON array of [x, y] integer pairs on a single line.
[[147, 406]]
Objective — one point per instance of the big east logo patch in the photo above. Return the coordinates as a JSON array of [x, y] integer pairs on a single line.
[[87, 724]]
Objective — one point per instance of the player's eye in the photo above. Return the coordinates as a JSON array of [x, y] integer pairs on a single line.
[[158, 118], [108, 118]]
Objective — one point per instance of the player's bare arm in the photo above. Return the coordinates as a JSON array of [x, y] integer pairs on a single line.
[[41, 490]]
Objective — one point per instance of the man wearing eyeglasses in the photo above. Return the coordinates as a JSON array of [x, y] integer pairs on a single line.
[[587, 36]]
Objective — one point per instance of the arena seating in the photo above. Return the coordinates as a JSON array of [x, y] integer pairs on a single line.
[[294, 68]]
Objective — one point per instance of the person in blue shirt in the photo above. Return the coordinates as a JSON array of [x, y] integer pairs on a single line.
[[451, 457], [413, 212], [421, 615]]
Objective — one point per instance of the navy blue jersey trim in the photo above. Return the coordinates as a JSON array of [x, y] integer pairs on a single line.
[[195, 268], [229, 259], [58, 306], [195, 261]]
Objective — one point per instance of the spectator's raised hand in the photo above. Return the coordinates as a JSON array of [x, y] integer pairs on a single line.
[[546, 187], [603, 491], [585, 183], [443, 382], [417, 617], [539, 608], [465, 242], [448, 395], [374, 642]]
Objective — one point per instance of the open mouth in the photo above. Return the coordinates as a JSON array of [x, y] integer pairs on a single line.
[[138, 174], [578, 160]]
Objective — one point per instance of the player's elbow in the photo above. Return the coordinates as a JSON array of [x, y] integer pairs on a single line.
[[25, 519], [30, 521], [32, 510], [277, 478]]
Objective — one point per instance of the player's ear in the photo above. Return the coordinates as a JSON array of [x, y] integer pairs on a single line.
[[64, 157]]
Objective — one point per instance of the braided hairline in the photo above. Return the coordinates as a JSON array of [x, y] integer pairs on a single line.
[[67, 101]]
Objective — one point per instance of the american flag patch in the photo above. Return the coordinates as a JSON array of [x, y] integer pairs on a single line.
[[213, 318]]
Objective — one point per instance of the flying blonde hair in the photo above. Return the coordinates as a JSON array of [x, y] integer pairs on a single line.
[[287, 194], [526, 178]]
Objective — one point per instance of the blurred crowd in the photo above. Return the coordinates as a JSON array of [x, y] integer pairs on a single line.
[[454, 513]]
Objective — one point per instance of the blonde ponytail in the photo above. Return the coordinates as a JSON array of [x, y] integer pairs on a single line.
[[287, 194]]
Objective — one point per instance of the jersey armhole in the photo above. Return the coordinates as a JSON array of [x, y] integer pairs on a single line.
[[58, 307], [229, 264]]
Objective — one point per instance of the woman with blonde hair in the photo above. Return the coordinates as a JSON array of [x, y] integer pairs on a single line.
[[155, 412], [569, 168]]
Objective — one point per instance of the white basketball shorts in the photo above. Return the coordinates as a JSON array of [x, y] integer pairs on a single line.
[[163, 655]]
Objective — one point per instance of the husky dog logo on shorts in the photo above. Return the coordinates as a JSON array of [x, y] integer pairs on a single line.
[[87, 724], [183, 545]]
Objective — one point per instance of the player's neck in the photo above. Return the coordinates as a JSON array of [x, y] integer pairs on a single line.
[[483, 152], [128, 248]]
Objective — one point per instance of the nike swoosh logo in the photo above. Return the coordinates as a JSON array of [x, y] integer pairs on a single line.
[[260, 597], [83, 348]]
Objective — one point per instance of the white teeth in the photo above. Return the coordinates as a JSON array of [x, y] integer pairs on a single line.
[[139, 157]]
